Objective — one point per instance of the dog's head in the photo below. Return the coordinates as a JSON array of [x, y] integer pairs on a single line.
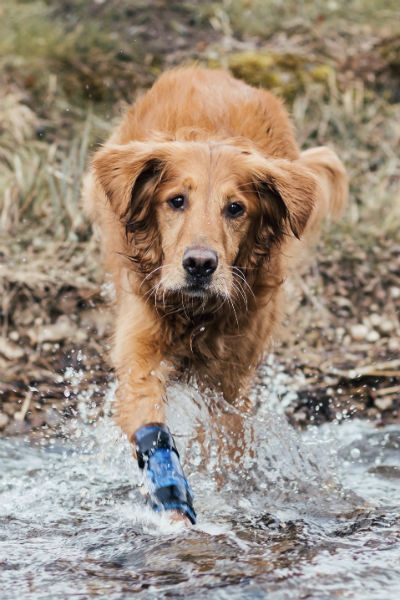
[[199, 215]]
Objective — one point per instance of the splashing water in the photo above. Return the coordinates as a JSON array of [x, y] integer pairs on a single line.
[[281, 514]]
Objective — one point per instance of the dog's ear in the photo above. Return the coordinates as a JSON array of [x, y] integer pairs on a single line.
[[287, 194], [130, 175], [126, 173]]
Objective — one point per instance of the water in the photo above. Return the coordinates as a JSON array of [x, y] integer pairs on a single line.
[[288, 515]]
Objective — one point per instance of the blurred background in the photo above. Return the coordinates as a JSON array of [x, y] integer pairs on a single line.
[[67, 71]]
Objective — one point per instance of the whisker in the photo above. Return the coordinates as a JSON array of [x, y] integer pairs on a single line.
[[236, 287], [234, 311], [244, 268], [150, 274], [247, 285], [236, 272], [219, 306], [149, 293], [173, 311], [163, 266], [232, 305], [184, 307]]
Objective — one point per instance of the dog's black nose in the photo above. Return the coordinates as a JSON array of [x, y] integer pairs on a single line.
[[200, 262]]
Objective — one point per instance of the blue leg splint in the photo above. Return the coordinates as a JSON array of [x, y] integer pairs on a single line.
[[158, 457]]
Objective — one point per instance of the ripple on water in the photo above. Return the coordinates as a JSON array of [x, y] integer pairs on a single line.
[[311, 515]]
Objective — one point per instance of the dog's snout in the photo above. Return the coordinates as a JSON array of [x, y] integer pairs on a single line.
[[200, 262]]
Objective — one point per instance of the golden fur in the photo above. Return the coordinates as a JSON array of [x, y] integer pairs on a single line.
[[213, 140]]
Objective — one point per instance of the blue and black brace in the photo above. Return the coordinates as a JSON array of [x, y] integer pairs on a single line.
[[166, 483]]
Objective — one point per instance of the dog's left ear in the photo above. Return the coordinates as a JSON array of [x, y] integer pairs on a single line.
[[130, 175], [125, 171], [287, 192]]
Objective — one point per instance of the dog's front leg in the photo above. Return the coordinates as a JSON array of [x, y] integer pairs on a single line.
[[142, 376]]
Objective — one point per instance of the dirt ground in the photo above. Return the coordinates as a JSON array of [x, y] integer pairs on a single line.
[[339, 73]]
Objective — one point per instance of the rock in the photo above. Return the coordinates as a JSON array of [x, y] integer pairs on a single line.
[[394, 345], [10, 350], [300, 416], [373, 336], [9, 407], [3, 420], [380, 323], [386, 326], [395, 292], [52, 417], [372, 413], [37, 420], [340, 333], [62, 329], [17, 427], [358, 332], [375, 320], [383, 403]]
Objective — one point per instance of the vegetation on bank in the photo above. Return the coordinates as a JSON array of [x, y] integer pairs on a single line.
[[68, 69]]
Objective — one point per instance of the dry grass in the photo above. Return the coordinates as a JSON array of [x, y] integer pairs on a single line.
[[68, 68], [263, 19]]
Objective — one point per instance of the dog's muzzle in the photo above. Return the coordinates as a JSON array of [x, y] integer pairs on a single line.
[[199, 263]]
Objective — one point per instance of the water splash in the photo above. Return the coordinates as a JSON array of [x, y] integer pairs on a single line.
[[280, 513]]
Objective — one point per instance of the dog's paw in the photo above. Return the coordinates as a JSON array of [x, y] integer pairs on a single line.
[[177, 517], [165, 481]]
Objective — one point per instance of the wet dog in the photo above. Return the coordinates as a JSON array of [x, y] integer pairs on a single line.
[[204, 204]]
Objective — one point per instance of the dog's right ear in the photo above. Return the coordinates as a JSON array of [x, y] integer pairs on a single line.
[[125, 171]]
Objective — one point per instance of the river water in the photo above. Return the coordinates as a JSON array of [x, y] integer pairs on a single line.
[[281, 514]]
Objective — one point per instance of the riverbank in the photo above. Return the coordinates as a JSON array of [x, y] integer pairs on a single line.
[[64, 85]]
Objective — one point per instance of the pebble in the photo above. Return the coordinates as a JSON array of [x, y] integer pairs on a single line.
[[340, 333], [375, 320], [383, 403], [3, 420], [372, 413], [300, 416], [9, 407], [17, 427], [381, 323], [358, 332], [386, 326], [373, 336], [37, 420], [52, 417], [10, 350], [62, 329]]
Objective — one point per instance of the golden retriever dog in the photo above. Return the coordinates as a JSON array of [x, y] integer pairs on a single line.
[[203, 204]]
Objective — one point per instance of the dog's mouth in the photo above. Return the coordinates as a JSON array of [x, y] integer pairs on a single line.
[[203, 289], [196, 289]]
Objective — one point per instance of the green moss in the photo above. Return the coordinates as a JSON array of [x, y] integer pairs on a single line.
[[256, 69], [322, 73], [286, 74]]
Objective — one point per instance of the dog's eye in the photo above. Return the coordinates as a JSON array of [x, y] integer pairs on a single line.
[[234, 210], [177, 202]]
